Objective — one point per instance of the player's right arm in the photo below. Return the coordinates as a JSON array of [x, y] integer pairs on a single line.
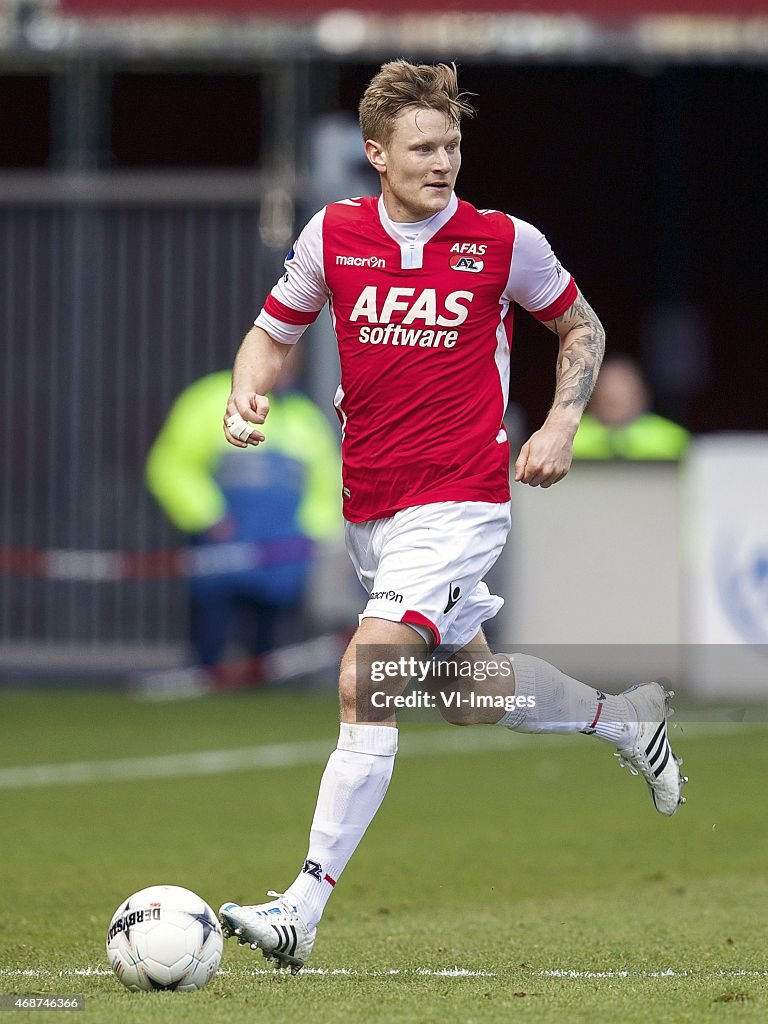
[[292, 305], [257, 366]]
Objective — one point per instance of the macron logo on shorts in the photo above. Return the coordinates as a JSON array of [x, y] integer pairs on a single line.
[[386, 595], [454, 595]]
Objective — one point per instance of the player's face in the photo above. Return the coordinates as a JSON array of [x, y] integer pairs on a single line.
[[418, 165]]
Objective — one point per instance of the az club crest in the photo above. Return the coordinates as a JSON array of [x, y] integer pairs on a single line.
[[467, 263], [311, 867]]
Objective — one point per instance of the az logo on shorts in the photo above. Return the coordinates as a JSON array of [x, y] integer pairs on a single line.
[[468, 263]]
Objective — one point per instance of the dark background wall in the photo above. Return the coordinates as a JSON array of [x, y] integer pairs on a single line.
[[650, 185], [649, 182]]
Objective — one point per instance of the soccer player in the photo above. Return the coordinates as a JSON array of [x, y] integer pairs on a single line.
[[421, 287]]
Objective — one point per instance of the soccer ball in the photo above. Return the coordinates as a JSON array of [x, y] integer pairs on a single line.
[[164, 937]]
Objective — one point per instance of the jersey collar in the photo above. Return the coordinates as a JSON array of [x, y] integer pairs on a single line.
[[412, 251]]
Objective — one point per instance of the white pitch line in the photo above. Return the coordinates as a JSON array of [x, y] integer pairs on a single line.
[[236, 759], [668, 973], [427, 972], [421, 972], [290, 755]]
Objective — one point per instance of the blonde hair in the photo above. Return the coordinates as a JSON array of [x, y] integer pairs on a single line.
[[400, 85]]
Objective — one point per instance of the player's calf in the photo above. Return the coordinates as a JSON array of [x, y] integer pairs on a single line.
[[478, 690]]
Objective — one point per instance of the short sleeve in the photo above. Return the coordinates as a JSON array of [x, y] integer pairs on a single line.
[[537, 280], [296, 300]]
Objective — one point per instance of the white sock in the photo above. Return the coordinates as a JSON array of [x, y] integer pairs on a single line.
[[352, 788], [563, 704]]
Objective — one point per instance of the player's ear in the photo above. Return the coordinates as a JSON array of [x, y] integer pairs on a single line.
[[376, 155]]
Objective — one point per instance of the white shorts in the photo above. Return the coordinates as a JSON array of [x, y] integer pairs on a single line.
[[424, 566]]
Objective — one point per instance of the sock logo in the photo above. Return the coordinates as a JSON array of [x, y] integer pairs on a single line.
[[454, 593], [311, 867], [591, 729]]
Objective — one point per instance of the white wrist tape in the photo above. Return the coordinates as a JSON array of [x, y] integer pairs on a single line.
[[239, 428]]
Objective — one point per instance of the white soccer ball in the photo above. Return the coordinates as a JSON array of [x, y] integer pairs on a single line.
[[164, 937]]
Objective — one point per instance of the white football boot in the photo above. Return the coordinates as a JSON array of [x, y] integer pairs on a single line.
[[651, 755], [275, 928]]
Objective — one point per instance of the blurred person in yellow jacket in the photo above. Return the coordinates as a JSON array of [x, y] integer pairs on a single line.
[[618, 423], [251, 517]]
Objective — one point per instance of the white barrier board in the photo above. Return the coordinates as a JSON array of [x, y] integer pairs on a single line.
[[725, 538]]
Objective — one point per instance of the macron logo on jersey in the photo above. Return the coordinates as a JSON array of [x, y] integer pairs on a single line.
[[360, 261]]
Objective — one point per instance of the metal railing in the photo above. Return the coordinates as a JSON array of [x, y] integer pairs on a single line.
[[116, 291]]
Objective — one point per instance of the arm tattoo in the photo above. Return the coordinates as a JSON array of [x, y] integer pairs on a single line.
[[582, 344]]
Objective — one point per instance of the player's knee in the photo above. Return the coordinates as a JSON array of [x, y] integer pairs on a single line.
[[348, 693], [364, 698], [358, 697]]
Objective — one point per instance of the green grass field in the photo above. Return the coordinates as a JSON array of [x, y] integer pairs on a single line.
[[532, 862]]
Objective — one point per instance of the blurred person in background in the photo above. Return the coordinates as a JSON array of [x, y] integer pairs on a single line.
[[252, 519], [618, 423], [422, 288]]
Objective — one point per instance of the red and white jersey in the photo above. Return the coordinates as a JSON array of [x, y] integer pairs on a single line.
[[424, 326]]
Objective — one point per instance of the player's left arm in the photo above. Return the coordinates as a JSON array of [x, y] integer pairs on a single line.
[[546, 456]]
